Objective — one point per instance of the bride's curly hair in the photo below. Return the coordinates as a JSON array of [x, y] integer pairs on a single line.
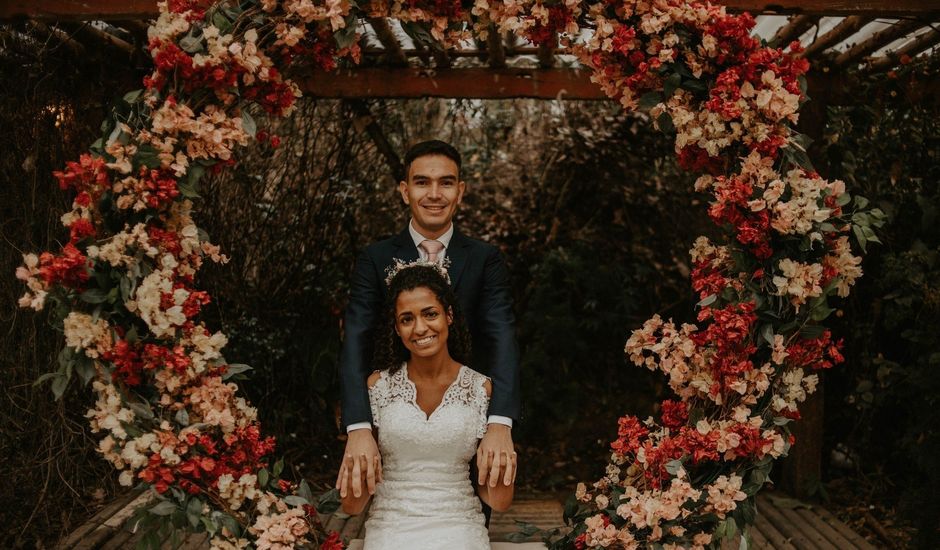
[[390, 353]]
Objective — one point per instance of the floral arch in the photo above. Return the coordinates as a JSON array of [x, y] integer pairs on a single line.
[[168, 411]]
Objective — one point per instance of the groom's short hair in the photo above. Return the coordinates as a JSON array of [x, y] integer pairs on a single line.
[[431, 147]]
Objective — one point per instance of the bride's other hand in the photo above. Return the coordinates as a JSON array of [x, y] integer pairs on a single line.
[[361, 443], [498, 495], [353, 473], [496, 442]]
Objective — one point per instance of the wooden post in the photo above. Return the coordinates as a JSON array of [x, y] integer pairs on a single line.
[[801, 471]]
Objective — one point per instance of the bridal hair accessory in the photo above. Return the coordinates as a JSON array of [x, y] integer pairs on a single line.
[[399, 265]]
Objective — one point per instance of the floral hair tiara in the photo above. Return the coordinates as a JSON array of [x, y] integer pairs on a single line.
[[398, 265]]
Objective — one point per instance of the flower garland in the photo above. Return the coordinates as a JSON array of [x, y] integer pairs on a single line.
[[167, 408]]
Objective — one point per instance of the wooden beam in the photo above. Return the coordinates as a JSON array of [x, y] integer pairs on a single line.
[[98, 39], [795, 27], [877, 41], [912, 48], [508, 83], [476, 82], [845, 28], [393, 52], [147, 9], [494, 46], [547, 52]]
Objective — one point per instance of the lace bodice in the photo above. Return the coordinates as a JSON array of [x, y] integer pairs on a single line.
[[426, 500]]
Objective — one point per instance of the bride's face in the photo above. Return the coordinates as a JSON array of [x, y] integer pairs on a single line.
[[422, 322]]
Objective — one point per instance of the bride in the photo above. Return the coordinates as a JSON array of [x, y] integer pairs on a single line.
[[429, 411]]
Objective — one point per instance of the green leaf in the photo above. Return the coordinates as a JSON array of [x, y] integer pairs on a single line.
[[263, 478], [59, 383], [295, 500], [131, 97], [844, 199], [304, 491], [346, 36], [45, 377], [164, 508], [860, 237], [707, 301], [673, 467], [278, 468], [767, 333], [861, 202], [141, 409], [328, 502], [650, 100], [194, 511], [664, 122], [182, 417], [95, 295], [86, 370], [248, 123], [671, 84], [191, 44], [821, 313], [235, 368]]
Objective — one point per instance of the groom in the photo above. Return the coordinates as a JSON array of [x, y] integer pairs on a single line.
[[433, 190]]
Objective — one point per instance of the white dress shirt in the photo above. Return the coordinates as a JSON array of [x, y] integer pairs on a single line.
[[444, 239]]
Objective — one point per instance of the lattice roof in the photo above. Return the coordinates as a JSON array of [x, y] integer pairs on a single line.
[[836, 34]]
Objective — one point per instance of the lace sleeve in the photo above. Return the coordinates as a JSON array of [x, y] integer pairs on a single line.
[[378, 398], [481, 403]]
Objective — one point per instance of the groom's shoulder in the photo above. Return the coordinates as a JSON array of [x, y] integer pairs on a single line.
[[381, 245], [481, 245]]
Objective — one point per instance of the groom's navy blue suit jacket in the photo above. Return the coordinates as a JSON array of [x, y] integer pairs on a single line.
[[481, 283]]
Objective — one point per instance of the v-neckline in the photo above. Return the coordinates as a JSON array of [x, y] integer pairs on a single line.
[[414, 395]]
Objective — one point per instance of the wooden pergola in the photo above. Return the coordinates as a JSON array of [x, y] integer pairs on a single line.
[[872, 36], [836, 34]]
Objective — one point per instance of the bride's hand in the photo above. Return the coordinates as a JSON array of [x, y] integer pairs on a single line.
[[368, 468], [494, 456], [353, 474]]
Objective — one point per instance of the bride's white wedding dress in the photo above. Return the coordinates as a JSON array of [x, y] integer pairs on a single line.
[[427, 501]]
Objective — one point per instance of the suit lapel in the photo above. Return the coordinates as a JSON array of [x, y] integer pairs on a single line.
[[458, 252], [404, 247]]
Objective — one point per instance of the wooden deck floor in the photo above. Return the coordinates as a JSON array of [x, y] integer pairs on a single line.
[[782, 523]]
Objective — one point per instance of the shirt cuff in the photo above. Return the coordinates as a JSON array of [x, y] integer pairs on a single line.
[[496, 419], [359, 426]]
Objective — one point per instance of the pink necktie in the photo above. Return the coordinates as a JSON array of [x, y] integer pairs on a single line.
[[433, 248]]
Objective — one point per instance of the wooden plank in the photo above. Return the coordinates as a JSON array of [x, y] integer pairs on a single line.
[[118, 540], [795, 27], [474, 82], [147, 9], [98, 519], [833, 536], [854, 538], [494, 47], [547, 52], [876, 41], [775, 538], [758, 539], [393, 51], [806, 529], [543, 513], [337, 521], [912, 48], [354, 524], [790, 531], [846, 28]]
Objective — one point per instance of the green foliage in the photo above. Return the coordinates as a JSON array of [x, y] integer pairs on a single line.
[[885, 407]]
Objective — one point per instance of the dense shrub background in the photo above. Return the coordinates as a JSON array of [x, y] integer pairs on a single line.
[[595, 221]]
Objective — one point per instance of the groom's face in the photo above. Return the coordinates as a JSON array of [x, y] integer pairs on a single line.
[[432, 192]]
